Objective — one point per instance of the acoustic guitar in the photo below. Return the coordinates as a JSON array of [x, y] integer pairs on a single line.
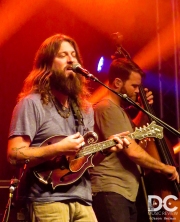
[[64, 170]]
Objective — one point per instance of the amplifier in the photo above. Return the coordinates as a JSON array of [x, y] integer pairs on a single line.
[[4, 184]]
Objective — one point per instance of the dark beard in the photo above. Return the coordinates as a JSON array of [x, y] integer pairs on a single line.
[[125, 103], [70, 85]]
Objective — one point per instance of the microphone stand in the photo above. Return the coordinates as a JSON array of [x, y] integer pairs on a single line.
[[13, 185], [125, 97]]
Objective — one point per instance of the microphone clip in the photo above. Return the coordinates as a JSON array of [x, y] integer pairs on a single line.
[[13, 184]]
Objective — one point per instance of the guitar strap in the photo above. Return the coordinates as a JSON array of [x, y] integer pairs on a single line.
[[78, 117]]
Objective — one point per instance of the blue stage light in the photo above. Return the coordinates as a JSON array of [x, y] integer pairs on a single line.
[[100, 64]]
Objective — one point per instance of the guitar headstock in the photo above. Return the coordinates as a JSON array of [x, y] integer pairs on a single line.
[[151, 130]]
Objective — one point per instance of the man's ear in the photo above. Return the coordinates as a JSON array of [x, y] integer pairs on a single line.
[[118, 83]]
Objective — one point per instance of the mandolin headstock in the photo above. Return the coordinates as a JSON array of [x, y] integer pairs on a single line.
[[151, 130]]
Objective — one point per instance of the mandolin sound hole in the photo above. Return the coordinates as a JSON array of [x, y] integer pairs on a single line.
[[49, 143]]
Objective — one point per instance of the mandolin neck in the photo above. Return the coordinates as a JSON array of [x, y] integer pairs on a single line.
[[93, 148]]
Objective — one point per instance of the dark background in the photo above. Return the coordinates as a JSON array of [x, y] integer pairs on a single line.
[[146, 26]]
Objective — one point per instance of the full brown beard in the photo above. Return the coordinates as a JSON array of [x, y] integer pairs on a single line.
[[71, 85]]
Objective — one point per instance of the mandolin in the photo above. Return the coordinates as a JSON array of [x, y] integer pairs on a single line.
[[64, 170]]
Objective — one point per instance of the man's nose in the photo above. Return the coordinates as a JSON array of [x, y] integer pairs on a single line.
[[70, 58], [137, 90]]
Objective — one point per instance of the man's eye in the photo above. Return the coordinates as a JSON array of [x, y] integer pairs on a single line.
[[61, 55], [74, 55]]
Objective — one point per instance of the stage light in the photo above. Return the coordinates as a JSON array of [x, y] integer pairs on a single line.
[[100, 64], [103, 65]]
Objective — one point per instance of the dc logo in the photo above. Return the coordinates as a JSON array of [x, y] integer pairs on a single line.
[[154, 200]]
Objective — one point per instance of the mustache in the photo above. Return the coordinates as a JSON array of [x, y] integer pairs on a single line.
[[68, 67]]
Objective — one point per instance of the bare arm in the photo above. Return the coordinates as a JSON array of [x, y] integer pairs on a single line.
[[19, 149], [142, 158]]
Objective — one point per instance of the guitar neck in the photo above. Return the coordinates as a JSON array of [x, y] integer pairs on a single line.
[[93, 148]]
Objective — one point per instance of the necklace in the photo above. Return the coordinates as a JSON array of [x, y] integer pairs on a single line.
[[62, 110]]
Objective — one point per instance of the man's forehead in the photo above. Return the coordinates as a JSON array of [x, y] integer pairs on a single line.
[[66, 46], [135, 75]]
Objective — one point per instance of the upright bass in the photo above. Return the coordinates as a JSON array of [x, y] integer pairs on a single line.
[[158, 184], [166, 193]]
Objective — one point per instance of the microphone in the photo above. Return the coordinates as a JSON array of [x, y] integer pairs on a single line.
[[76, 67], [79, 69]]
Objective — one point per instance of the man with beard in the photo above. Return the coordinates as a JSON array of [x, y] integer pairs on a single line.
[[115, 180], [53, 101]]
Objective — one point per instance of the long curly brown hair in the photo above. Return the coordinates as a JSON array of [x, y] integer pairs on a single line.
[[38, 81]]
